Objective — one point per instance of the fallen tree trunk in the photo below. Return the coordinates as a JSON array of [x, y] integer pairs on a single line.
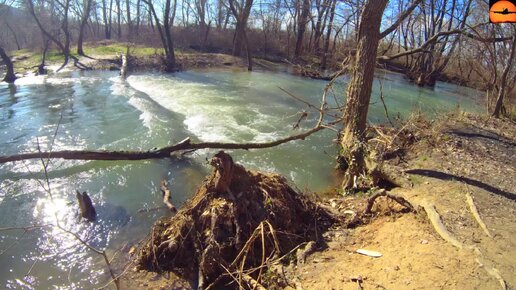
[[165, 152]]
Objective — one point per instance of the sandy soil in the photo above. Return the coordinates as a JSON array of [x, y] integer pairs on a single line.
[[469, 155]]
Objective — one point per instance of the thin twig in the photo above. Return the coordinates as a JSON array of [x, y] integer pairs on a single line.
[[383, 102]]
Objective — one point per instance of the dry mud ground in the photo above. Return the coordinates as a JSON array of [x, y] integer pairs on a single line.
[[468, 155]]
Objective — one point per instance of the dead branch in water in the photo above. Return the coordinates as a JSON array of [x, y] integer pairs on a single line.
[[164, 152], [165, 191]]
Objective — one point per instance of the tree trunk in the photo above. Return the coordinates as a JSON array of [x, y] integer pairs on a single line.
[[238, 39], [119, 18], [107, 22], [138, 15], [503, 84], [84, 21], [14, 35], [165, 33], [10, 77], [352, 139], [41, 66], [328, 35], [241, 15], [303, 20], [129, 22]]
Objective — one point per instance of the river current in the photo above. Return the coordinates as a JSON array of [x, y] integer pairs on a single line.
[[98, 110]]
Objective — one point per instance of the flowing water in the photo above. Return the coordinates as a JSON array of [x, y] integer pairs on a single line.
[[97, 110]]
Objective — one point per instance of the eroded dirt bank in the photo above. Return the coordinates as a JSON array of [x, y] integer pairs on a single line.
[[450, 159], [439, 163]]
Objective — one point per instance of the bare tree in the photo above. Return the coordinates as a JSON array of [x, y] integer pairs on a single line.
[[106, 14], [352, 140], [129, 21], [241, 12], [63, 44], [204, 28], [165, 32], [10, 77], [435, 16], [84, 20], [504, 87], [301, 27], [328, 35]]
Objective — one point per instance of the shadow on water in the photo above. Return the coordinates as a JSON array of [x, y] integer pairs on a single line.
[[173, 162], [469, 181]]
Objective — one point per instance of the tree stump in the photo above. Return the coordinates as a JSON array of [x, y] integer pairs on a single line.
[[86, 206]]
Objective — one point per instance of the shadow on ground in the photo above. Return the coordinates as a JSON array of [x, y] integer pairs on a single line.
[[469, 181]]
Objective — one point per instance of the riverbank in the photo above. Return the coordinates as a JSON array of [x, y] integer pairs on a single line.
[[154, 108], [453, 158], [106, 55], [448, 160]]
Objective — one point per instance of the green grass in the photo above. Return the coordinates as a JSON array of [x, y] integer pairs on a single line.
[[117, 48], [28, 59], [416, 179]]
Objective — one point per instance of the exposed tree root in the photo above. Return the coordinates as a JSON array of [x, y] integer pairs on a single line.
[[253, 284], [493, 272], [228, 232], [476, 215], [382, 192], [439, 227]]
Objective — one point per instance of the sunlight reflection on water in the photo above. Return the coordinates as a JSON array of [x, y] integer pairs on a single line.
[[97, 110]]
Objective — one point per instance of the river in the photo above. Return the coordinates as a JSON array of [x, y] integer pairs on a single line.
[[98, 110]]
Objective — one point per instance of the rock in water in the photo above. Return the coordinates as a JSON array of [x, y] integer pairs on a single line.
[[86, 206]]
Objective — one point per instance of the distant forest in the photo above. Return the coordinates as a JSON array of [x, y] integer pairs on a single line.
[[428, 40]]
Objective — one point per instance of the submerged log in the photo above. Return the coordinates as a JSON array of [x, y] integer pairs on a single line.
[[236, 218], [165, 191], [86, 206]]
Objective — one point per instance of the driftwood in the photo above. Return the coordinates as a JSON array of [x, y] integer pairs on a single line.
[[165, 191], [86, 206]]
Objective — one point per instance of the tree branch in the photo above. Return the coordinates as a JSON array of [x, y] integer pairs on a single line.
[[400, 19], [164, 152]]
